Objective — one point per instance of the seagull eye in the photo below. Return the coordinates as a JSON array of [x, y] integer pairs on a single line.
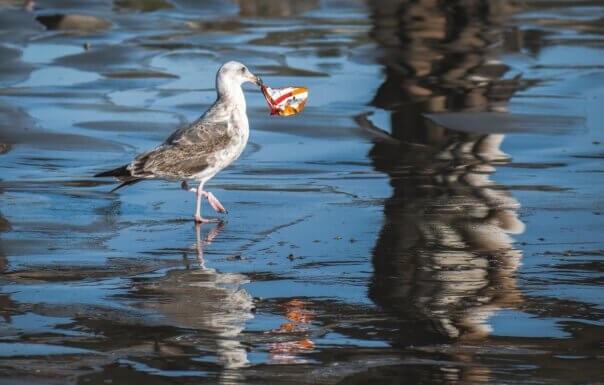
[[242, 69]]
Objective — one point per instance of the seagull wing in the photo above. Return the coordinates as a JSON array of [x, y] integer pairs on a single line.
[[214, 123], [168, 161], [188, 151]]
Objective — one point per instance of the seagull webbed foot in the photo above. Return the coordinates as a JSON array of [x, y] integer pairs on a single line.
[[200, 219]]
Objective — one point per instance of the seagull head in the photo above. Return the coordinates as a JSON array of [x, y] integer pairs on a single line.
[[234, 74]]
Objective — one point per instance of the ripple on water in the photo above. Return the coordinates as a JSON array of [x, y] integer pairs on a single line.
[[58, 77]]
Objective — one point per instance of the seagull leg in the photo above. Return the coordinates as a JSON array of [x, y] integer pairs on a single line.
[[197, 217]]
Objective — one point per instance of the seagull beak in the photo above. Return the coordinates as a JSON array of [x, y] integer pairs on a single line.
[[256, 80]]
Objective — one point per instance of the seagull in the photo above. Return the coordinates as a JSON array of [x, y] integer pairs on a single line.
[[200, 150]]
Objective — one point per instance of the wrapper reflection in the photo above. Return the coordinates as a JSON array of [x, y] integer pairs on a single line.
[[296, 330]]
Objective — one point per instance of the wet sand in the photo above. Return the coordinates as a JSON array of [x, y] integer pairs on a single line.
[[434, 215]]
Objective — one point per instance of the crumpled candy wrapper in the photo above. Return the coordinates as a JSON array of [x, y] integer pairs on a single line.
[[285, 101]]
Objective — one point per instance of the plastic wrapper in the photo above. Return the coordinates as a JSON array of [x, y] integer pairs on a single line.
[[285, 101]]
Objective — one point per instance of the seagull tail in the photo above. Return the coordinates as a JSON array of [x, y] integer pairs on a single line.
[[123, 174], [120, 172]]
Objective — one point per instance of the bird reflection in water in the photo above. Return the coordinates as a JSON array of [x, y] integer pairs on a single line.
[[200, 242], [203, 299]]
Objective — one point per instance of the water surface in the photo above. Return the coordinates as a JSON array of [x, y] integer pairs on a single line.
[[434, 216]]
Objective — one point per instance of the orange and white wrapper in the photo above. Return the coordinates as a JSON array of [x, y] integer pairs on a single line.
[[285, 101]]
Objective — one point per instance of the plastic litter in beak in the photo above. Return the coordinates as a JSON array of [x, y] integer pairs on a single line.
[[285, 101]]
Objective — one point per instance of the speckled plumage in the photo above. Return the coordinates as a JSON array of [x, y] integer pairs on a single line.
[[199, 150]]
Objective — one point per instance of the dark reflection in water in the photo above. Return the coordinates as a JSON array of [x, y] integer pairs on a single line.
[[444, 261], [445, 236]]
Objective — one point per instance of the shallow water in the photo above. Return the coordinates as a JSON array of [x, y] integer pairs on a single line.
[[433, 216]]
